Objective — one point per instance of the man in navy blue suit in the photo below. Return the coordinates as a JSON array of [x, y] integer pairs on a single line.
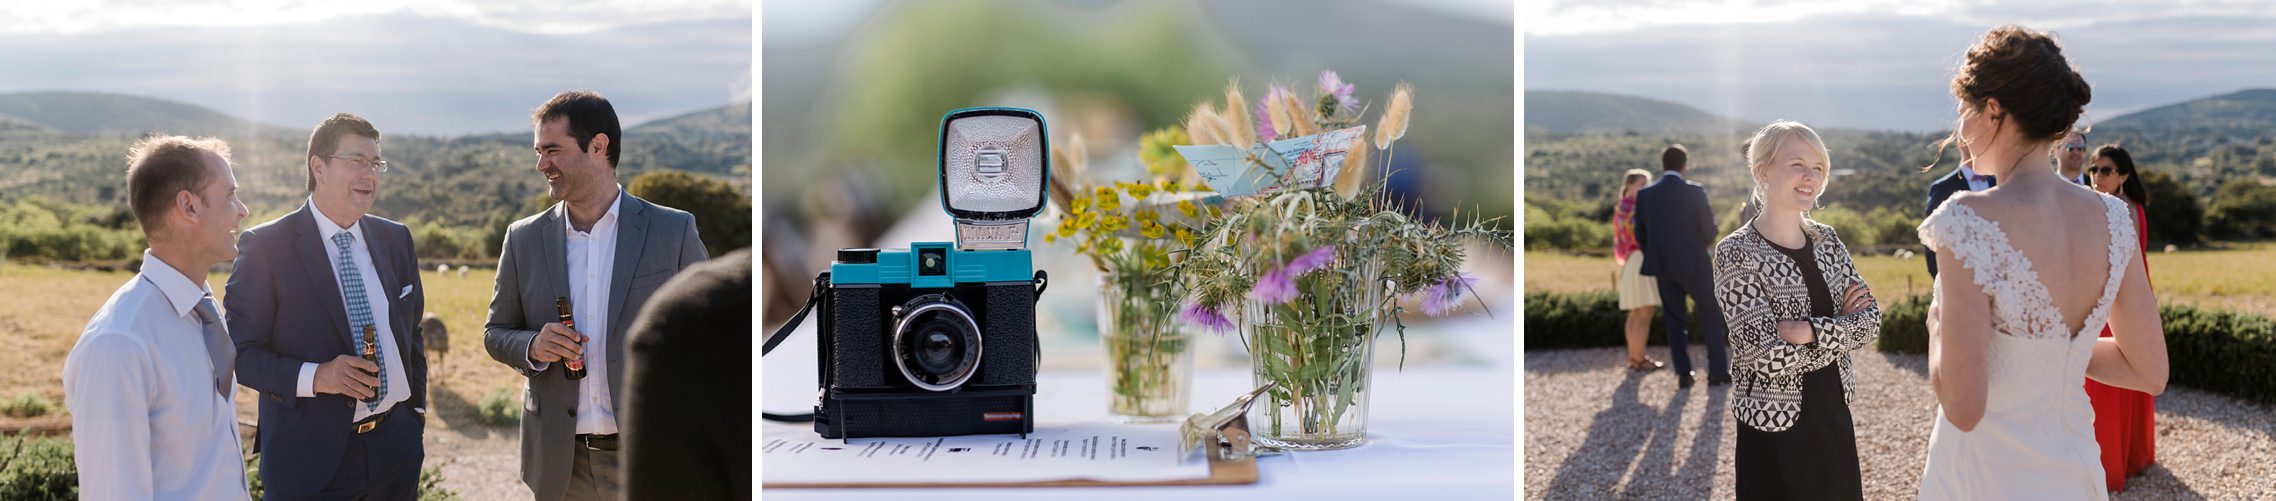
[[1674, 225], [306, 289], [1961, 179]]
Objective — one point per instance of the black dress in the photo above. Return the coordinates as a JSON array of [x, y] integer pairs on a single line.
[[1817, 457]]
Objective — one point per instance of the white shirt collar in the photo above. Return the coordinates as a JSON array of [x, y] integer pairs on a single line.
[[607, 218], [1967, 172], [1678, 174], [325, 227], [182, 294]]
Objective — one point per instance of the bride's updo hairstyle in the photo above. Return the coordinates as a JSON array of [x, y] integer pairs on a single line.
[[2026, 71], [2034, 82]]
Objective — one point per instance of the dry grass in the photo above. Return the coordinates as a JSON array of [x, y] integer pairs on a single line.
[[2242, 277], [46, 308]]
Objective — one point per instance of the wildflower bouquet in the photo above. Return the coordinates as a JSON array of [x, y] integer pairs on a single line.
[[1309, 273], [1131, 232]]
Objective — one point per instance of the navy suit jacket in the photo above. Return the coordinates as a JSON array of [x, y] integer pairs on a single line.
[[1937, 194], [1674, 225], [285, 308]]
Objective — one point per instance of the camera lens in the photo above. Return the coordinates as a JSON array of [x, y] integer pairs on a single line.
[[937, 345]]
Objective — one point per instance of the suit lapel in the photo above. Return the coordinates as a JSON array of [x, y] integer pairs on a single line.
[[317, 269], [391, 283], [631, 231], [554, 238]]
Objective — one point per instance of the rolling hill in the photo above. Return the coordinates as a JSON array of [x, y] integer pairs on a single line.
[[1591, 112]]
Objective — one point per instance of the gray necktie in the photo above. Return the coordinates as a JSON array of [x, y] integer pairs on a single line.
[[217, 345]]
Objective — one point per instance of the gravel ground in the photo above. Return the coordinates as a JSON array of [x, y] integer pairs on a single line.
[[1594, 430]]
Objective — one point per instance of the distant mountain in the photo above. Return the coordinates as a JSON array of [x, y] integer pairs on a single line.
[[94, 114], [1591, 112], [2248, 113]]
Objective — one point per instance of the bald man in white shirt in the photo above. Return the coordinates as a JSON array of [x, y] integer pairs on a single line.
[[149, 386]]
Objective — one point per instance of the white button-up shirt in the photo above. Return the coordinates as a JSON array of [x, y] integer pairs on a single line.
[[375, 294], [145, 419], [592, 264]]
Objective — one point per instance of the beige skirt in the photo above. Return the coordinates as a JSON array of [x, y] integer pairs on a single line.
[[1637, 290]]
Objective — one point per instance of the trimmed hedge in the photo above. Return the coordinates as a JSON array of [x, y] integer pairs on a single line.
[[2219, 351]]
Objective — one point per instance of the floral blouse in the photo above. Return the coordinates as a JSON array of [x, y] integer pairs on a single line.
[[1624, 229]]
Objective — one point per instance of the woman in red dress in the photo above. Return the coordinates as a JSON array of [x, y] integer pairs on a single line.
[[2125, 421]]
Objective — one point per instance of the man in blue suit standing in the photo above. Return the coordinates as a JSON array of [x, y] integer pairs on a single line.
[[1961, 179], [1674, 225], [306, 290]]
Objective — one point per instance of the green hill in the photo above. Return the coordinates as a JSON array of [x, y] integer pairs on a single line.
[[2244, 114], [92, 113], [1591, 112]]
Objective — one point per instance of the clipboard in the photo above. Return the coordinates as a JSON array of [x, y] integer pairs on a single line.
[[1223, 438], [1221, 472]]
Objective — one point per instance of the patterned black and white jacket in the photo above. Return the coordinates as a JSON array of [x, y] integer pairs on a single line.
[[1758, 286]]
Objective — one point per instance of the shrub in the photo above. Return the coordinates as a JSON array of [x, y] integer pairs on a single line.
[[26, 405], [499, 408], [431, 486], [2221, 351], [1904, 325], [722, 212], [37, 468], [1567, 234], [1583, 320]]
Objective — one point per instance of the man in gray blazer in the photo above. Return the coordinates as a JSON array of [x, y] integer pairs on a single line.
[[602, 251]]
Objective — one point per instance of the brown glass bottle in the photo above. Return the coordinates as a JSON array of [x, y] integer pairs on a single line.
[[371, 354], [576, 366]]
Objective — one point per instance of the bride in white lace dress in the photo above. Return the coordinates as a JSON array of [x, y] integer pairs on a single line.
[[2032, 269]]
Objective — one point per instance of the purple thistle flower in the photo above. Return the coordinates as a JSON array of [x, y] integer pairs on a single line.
[[1275, 287], [1203, 316], [1333, 85], [1316, 259], [1263, 118], [1445, 297]]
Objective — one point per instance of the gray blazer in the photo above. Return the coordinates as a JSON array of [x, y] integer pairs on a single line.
[[653, 243]]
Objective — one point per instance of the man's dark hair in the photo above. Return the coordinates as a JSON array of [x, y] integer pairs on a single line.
[[160, 166], [325, 142], [588, 114], [1673, 159]]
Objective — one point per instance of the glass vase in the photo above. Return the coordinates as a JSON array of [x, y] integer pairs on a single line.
[[1317, 348], [1149, 353]]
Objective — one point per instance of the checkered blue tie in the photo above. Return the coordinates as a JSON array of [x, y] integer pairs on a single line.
[[359, 310]]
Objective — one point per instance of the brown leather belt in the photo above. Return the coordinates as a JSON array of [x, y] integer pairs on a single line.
[[598, 442]]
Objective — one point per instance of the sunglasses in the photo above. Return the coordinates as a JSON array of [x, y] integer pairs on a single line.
[[2100, 171]]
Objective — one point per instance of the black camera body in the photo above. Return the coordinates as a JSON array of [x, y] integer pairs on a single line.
[[907, 351], [939, 339]]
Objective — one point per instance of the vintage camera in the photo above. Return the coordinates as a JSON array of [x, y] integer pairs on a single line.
[[939, 339]]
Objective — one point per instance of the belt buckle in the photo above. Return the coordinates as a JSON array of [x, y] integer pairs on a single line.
[[366, 427]]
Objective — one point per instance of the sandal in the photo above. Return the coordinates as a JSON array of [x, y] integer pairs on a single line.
[[1645, 365]]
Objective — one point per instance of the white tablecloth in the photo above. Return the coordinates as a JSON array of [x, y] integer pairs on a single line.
[[1436, 432]]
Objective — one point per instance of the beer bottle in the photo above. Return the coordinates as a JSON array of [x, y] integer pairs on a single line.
[[576, 366], [371, 354]]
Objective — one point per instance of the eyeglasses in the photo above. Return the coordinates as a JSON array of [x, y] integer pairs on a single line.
[[2074, 147], [2102, 171], [377, 166]]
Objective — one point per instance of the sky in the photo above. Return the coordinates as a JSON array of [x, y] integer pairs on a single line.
[[1877, 64], [534, 16], [431, 67]]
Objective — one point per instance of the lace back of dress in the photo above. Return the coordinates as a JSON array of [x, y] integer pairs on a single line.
[[2020, 304]]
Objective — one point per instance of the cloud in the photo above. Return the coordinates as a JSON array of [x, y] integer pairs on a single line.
[[1585, 17], [1892, 72], [529, 16]]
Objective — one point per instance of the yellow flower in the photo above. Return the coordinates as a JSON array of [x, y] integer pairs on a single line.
[[1066, 227], [1185, 237], [1110, 245], [1087, 221], [1081, 204], [1111, 222], [1151, 229], [1050, 237], [1148, 215], [1187, 207], [1169, 185], [1108, 199], [1139, 190]]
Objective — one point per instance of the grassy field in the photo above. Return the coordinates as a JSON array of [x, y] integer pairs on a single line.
[[42, 311], [2240, 277]]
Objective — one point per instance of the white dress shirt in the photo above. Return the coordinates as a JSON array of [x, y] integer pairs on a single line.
[[144, 417], [592, 264], [377, 295], [1968, 172]]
